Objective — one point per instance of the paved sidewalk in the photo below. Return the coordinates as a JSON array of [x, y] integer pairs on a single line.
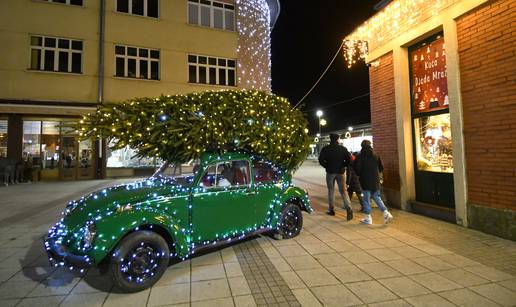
[[415, 261]]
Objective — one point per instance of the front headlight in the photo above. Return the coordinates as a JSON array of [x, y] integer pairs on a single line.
[[89, 231]]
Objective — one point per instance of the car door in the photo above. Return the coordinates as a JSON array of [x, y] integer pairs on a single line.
[[224, 206], [266, 178]]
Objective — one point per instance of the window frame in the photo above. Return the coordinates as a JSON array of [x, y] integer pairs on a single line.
[[212, 9], [216, 187], [138, 58], [217, 67], [145, 9], [56, 51]]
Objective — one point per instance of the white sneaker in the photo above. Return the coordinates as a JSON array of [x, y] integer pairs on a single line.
[[367, 220], [387, 217]]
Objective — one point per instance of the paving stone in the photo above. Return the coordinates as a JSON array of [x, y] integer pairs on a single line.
[[371, 291], [337, 295], [409, 252], [359, 257], [174, 276], [291, 251], [349, 273], [239, 286], [429, 300], [224, 302], [489, 273], [317, 248], [16, 289], [378, 270], [466, 297], [208, 272], [306, 298], [384, 254], [331, 260], [435, 282], [9, 302], [85, 300], [390, 242], [406, 267], [303, 262], [394, 303], [93, 284], [343, 246], [433, 263], [127, 299], [457, 260], [208, 259], [463, 278], [292, 280], [244, 301], [211, 289], [171, 294], [404, 286], [317, 277], [367, 244], [496, 293], [48, 301], [432, 249], [509, 284]]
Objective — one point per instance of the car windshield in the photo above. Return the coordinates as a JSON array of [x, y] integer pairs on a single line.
[[182, 174]]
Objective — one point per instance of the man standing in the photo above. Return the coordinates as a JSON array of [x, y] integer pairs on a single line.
[[335, 158], [368, 167]]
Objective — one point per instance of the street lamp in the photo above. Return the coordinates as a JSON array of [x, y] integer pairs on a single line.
[[319, 113]]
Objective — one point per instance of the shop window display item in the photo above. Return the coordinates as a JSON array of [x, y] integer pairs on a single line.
[[434, 143]]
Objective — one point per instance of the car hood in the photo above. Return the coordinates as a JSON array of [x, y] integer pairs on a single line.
[[111, 200]]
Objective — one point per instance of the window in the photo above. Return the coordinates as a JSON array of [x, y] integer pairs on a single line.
[[211, 14], [265, 172], [148, 8], [434, 143], [70, 2], [226, 174], [128, 157], [210, 70], [134, 62], [31, 141], [3, 138], [55, 54]]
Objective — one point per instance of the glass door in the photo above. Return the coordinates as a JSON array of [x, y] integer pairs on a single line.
[[85, 164], [431, 121], [69, 157]]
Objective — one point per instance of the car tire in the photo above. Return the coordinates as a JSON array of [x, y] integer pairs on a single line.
[[290, 223], [139, 261]]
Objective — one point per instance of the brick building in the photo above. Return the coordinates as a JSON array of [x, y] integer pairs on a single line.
[[443, 107]]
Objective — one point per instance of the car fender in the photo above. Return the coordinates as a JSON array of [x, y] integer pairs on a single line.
[[294, 195], [113, 228]]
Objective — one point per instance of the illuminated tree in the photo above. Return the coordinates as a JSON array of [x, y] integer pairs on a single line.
[[181, 127]]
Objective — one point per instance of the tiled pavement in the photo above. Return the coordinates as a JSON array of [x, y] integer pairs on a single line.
[[332, 263]]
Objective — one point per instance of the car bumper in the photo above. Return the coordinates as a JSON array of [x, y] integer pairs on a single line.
[[58, 255]]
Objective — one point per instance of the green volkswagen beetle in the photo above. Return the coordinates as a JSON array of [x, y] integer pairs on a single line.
[[136, 228]]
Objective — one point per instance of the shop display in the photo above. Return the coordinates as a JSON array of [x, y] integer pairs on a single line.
[[434, 145]]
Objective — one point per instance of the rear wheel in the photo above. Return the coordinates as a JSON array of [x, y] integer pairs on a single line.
[[139, 261], [291, 222]]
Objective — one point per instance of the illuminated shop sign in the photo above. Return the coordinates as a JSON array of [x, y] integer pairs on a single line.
[[429, 78]]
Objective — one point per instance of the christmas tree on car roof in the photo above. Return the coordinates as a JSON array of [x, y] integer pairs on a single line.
[[179, 128]]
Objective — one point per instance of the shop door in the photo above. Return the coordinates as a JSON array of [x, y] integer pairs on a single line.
[[76, 159], [433, 155]]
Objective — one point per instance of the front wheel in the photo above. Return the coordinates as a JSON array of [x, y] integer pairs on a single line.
[[139, 261], [291, 222]]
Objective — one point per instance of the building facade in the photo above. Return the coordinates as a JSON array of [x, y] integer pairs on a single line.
[[62, 58], [443, 107]]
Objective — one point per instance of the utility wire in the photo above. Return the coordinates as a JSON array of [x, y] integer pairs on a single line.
[[340, 102], [324, 73]]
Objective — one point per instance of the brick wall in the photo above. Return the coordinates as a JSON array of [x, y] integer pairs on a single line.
[[383, 119], [487, 54]]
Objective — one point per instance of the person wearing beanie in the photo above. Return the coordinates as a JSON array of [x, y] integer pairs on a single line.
[[368, 167], [335, 159]]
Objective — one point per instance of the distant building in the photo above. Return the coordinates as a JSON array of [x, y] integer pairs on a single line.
[[60, 59], [443, 111]]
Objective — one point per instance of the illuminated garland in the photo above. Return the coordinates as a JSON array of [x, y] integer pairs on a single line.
[[254, 45], [182, 127], [397, 17]]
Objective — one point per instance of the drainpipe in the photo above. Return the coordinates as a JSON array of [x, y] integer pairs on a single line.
[[101, 144]]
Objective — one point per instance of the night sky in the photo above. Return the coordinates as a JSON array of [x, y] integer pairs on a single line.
[[304, 40]]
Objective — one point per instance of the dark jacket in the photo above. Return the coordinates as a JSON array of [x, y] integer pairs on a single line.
[[334, 158], [368, 167], [352, 180]]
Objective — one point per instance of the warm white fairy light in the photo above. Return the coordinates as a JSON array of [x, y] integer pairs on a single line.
[[254, 45], [397, 17]]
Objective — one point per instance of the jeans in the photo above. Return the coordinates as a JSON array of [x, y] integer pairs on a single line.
[[366, 197], [341, 183]]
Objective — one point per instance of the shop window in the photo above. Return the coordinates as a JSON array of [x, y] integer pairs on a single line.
[[3, 138], [434, 143], [31, 141], [50, 144], [128, 157]]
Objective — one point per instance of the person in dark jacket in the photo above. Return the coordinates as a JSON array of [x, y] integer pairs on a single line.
[[368, 167], [353, 184], [335, 158]]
